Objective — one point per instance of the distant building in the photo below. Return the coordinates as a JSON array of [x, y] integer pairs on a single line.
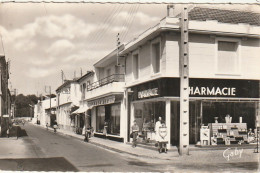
[[80, 114], [45, 111], [68, 97]]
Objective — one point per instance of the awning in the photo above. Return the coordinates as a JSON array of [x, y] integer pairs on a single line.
[[80, 110]]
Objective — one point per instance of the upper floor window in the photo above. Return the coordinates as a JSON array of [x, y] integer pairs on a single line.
[[156, 57], [136, 66], [83, 90], [227, 56]]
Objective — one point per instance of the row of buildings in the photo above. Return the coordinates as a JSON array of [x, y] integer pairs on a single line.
[[148, 78]]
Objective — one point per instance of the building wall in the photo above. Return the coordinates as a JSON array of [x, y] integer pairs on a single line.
[[101, 72], [75, 93], [85, 80], [202, 58], [63, 117]]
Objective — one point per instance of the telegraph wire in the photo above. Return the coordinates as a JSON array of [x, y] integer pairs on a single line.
[[127, 19], [130, 23], [109, 23], [101, 24]]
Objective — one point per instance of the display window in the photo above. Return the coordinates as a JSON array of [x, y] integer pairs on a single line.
[[227, 122], [108, 119], [146, 114], [100, 118], [115, 119], [217, 112]]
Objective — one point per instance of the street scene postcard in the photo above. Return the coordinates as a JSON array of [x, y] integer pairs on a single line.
[[129, 86]]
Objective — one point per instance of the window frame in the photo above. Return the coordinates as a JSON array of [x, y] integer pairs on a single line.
[[226, 39], [136, 52], [155, 41]]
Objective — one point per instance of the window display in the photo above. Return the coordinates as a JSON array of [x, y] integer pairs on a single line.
[[232, 123], [108, 119], [146, 114], [100, 118]]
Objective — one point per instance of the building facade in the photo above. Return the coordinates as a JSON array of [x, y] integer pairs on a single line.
[[68, 97], [105, 98], [80, 115], [42, 113], [223, 75], [5, 96]]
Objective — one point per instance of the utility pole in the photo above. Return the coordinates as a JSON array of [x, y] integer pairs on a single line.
[[184, 84], [118, 45], [62, 77]]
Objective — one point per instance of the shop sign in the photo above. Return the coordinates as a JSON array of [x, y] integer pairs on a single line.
[[198, 87], [224, 88], [102, 101], [214, 91], [148, 93]]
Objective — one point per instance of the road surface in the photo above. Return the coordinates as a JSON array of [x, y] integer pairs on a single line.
[[44, 150]]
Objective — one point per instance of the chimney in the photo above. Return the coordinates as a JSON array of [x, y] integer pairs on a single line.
[[170, 9]]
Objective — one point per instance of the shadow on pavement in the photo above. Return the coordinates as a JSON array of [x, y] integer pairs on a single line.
[[37, 164], [13, 132], [247, 166]]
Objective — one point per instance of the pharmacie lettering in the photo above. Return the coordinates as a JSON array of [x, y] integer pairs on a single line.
[[148, 93], [226, 91]]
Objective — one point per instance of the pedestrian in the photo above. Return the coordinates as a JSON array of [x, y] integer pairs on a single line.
[[55, 126], [158, 124], [7, 132], [135, 130], [47, 125], [88, 129], [105, 128]]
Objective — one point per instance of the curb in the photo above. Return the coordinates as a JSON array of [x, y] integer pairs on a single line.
[[110, 148]]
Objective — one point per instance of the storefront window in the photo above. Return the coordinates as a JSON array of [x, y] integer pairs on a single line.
[[111, 115], [246, 110], [146, 114], [115, 119], [100, 118]]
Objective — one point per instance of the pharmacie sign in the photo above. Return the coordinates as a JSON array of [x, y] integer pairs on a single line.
[[224, 88], [214, 91], [170, 87]]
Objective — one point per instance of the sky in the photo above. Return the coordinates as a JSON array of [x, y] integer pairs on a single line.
[[41, 39]]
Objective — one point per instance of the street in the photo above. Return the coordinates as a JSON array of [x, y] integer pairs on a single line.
[[43, 150], [66, 154]]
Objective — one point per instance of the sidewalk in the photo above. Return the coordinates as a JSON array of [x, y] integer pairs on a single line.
[[140, 150]]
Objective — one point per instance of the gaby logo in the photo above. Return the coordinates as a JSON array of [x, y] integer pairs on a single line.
[[226, 91], [229, 153]]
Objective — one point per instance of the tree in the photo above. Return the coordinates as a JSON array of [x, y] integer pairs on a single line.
[[23, 108]]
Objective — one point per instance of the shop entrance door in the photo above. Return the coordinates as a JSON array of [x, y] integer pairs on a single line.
[[175, 123], [194, 121]]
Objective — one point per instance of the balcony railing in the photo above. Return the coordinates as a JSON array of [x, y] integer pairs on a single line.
[[105, 81]]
